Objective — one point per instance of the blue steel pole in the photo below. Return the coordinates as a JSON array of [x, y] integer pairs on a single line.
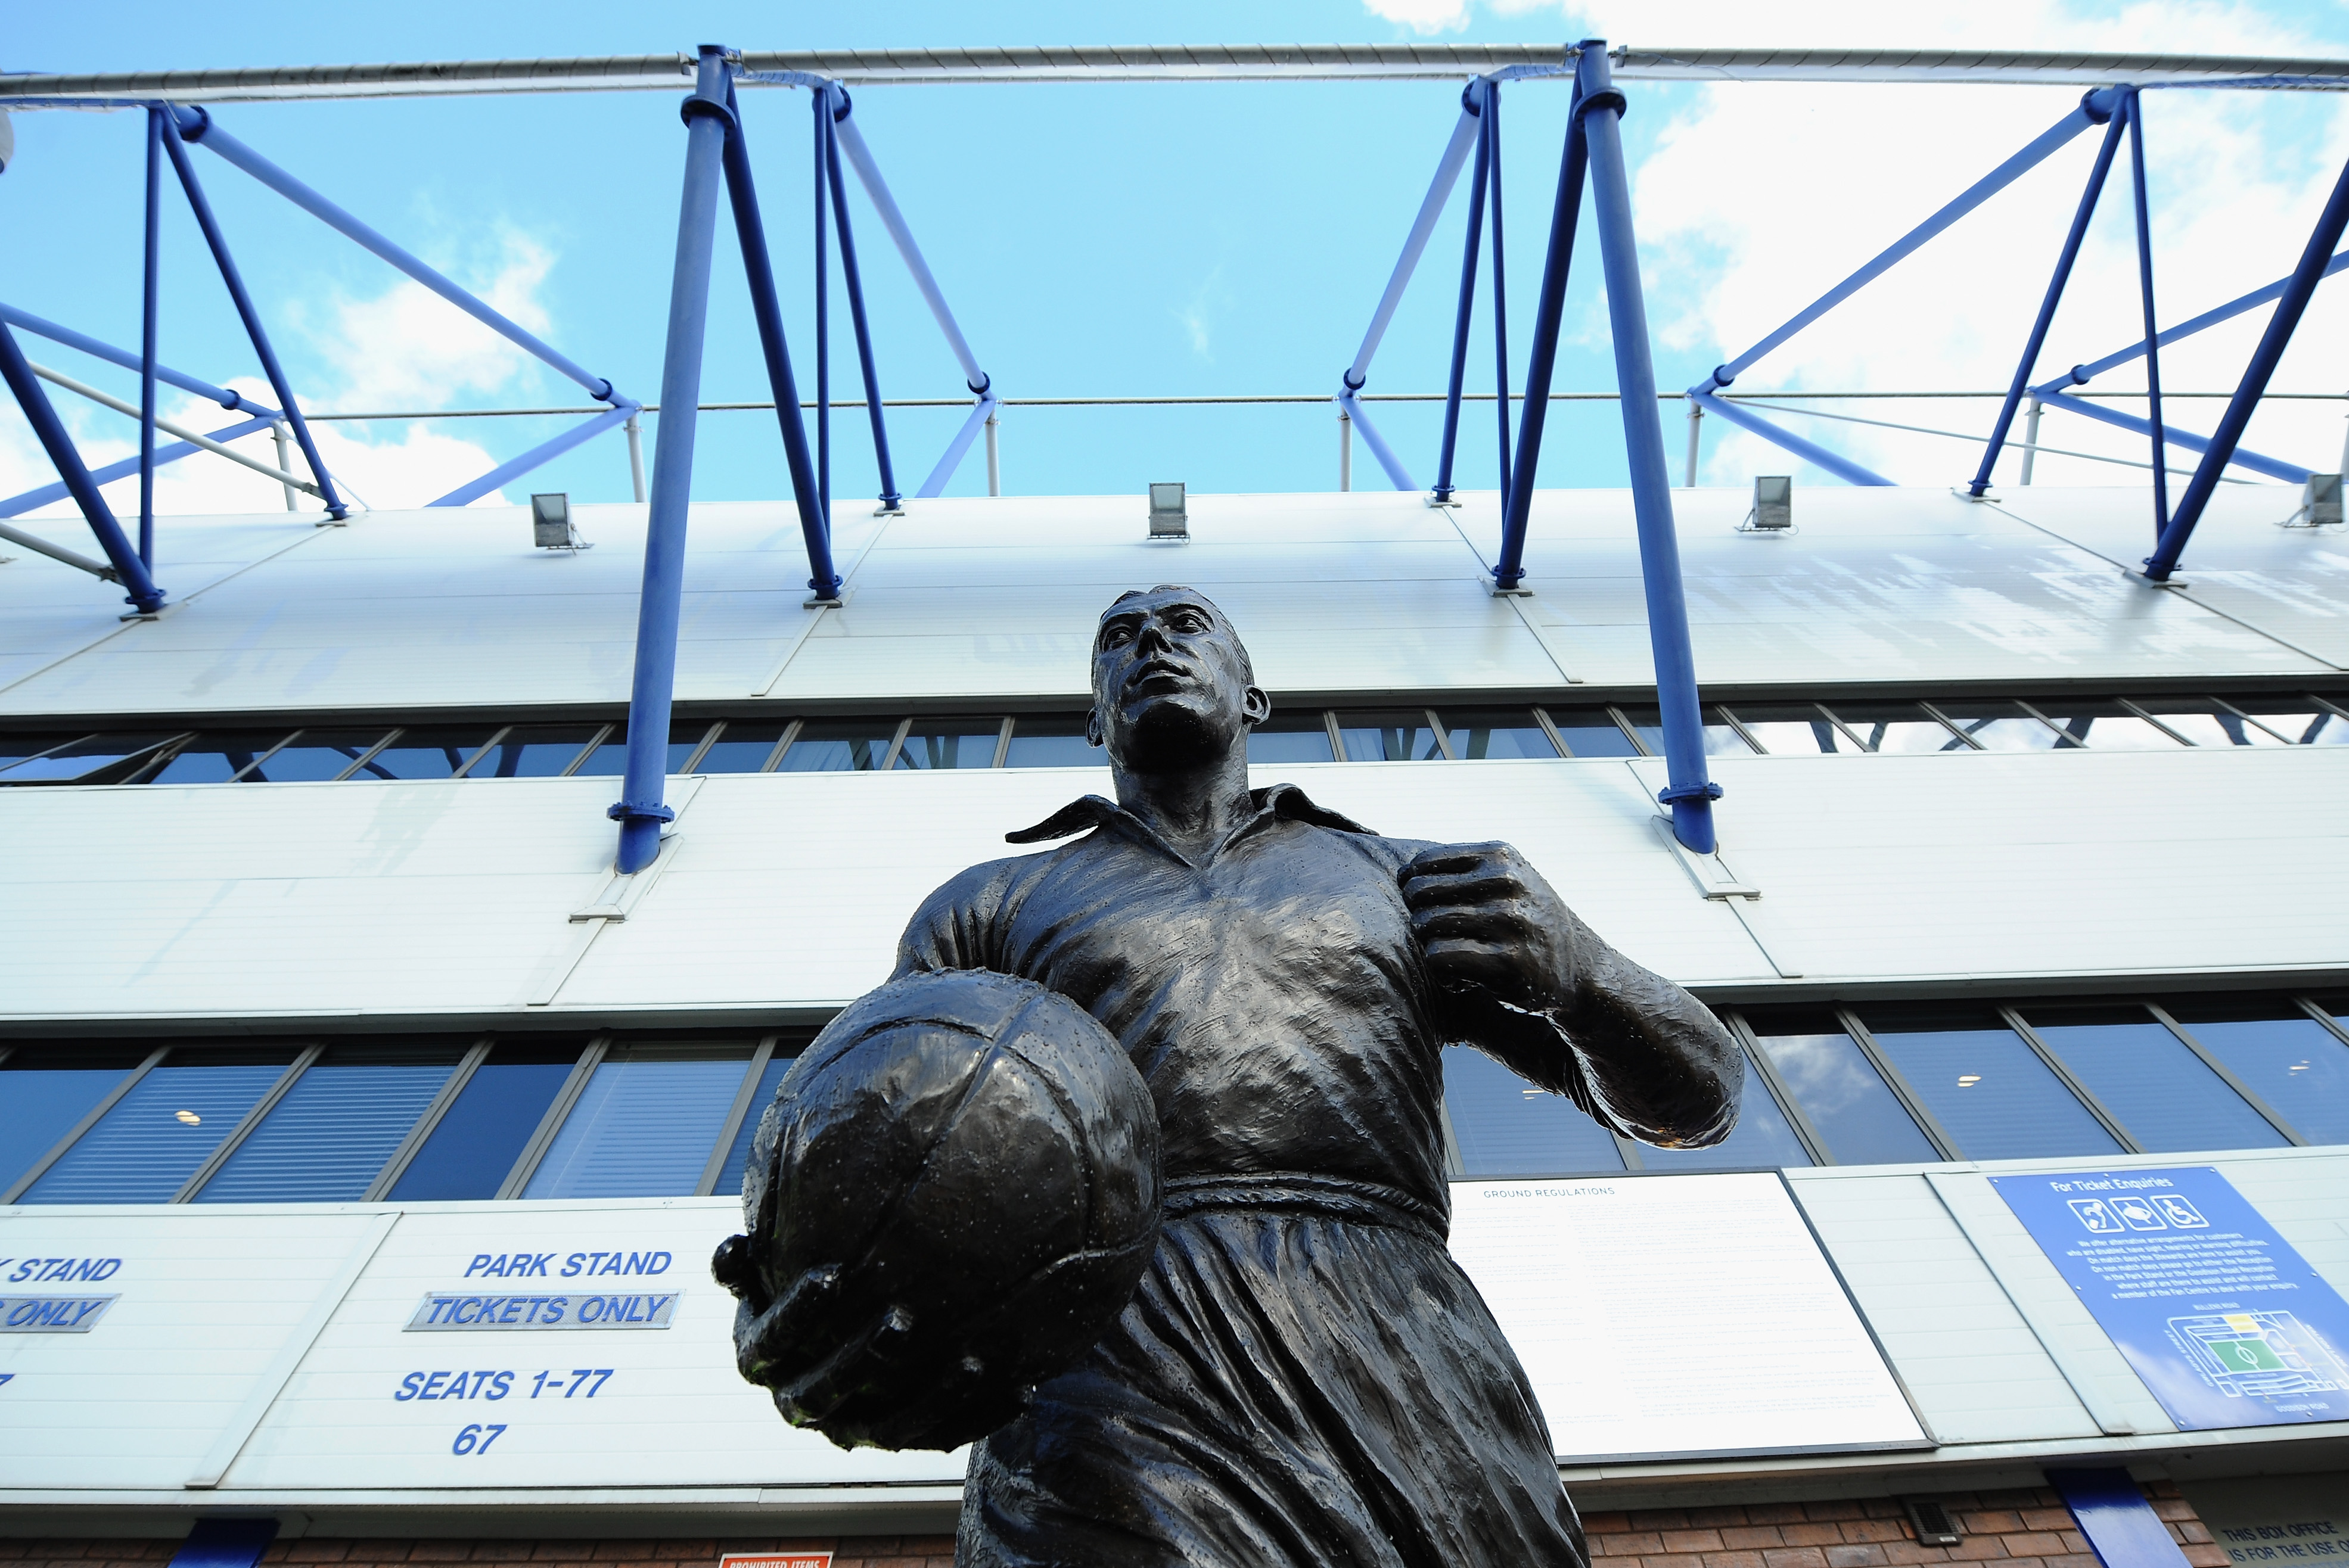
[[889, 497], [757, 266], [2288, 310], [1691, 794], [202, 208], [19, 504], [128, 570], [147, 336], [641, 810], [2081, 375], [1500, 282], [1541, 359], [1468, 101], [2152, 329], [822, 314], [2038, 339], [130, 361], [2242, 457]]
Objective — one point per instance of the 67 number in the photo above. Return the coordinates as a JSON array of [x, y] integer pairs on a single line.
[[476, 1440]]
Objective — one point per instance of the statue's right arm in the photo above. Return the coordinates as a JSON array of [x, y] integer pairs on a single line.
[[959, 926]]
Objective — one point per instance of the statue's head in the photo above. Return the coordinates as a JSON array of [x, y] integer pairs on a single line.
[[1172, 684]]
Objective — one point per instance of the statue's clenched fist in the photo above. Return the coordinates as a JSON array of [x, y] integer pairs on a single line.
[[1485, 919]]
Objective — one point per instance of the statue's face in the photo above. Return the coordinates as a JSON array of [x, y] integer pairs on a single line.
[[1171, 686]]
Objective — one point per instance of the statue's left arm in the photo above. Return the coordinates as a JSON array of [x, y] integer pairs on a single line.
[[1518, 975]]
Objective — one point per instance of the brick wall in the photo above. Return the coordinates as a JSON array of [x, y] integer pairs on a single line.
[[2022, 1528]]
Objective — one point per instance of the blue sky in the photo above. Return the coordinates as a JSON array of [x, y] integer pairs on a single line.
[[1144, 238]]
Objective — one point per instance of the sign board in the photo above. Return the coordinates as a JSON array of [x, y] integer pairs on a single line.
[[785, 1559], [2223, 1320], [1663, 1317], [2285, 1522]]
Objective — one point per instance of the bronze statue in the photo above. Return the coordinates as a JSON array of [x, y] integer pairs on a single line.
[[1303, 1376]]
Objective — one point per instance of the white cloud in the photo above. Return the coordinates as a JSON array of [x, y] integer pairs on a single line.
[[1422, 17]]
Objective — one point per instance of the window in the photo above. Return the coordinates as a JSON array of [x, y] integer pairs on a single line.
[[1989, 1091], [1408, 735], [1591, 732], [1478, 734], [1793, 729], [1289, 738], [317, 754], [1720, 736], [933, 743], [1053, 742], [2166, 1096], [328, 1137], [841, 746], [2284, 1057], [97, 759], [1895, 727], [46, 1090], [2106, 726], [2301, 720], [159, 1133], [473, 1148], [1507, 1126], [609, 757], [1762, 1137], [738, 1155], [743, 746], [2206, 723], [2001, 727], [646, 1123], [536, 751], [217, 758], [430, 753], [1846, 1101]]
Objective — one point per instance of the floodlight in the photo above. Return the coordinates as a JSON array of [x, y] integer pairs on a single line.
[[1169, 517], [1773, 505], [550, 524], [2320, 502]]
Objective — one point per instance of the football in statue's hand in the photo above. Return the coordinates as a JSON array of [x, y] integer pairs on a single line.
[[955, 1191]]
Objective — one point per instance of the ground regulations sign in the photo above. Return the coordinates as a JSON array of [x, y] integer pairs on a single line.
[[1667, 1315], [2224, 1320]]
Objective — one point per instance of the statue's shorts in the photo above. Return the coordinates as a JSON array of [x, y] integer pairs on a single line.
[[1304, 1378]]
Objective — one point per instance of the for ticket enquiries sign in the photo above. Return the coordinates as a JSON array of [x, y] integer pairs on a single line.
[[2223, 1319], [784, 1560]]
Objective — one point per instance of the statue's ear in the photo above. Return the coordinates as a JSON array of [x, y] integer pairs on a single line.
[[1093, 736], [1255, 708]]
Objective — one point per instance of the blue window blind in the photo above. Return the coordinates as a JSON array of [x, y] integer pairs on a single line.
[[469, 1153], [213, 758], [1592, 734], [1988, 1089], [1289, 738], [846, 746], [44, 1091], [317, 754], [729, 1180], [1051, 742], [1507, 1126], [935, 743], [1401, 736], [1762, 1137], [740, 748], [145, 1149], [535, 751], [326, 1139], [1861, 1120], [644, 1125], [2163, 1093], [1478, 734], [2293, 1063]]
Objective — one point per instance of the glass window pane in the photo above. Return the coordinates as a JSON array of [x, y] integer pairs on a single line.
[[535, 751], [2001, 727], [45, 1090], [742, 747], [2287, 1058], [729, 1180], [1507, 1126], [1792, 729], [315, 754], [1289, 738], [644, 1125], [936, 743], [1591, 732], [326, 1138], [1720, 736], [214, 759], [841, 746], [2204, 723], [1762, 1138], [427, 753], [473, 1149], [2297, 719], [1850, 1107], [1052, 740], [16, 749], [1896, 727], [1399, 737], [2106, 727], [1990, 1091], [82, 759], [2162, 1092], [147, 1147], [610, 760], [1478, 733]]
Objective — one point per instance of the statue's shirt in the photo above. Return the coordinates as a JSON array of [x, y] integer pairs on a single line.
[[1272, 995]]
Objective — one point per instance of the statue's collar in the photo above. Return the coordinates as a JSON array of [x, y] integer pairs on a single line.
[[1091, 811]]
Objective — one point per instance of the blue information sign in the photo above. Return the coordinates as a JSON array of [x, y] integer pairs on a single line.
[[2226, 1323]]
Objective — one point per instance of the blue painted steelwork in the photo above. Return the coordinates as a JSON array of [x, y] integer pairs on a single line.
[[2274, 467], [511, 469], [758, 268], [2081, 375], [2152, 324], [2038, 338], [2120, 1524], [2288, 310], [1690, 792], [641, 810], [130, 361], [2095, 109], [1541, 360], [1439, 191], [889, 497], [860, 157], [17, 505], [823, 133], [1500, 282], [1470, 101], [151, 283], [225, 1543], [202, 209], [950, 459], [1843, 467], [1397, 475], [128, 570]]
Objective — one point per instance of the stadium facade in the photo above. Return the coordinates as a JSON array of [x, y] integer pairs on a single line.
[[344, 1077]]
